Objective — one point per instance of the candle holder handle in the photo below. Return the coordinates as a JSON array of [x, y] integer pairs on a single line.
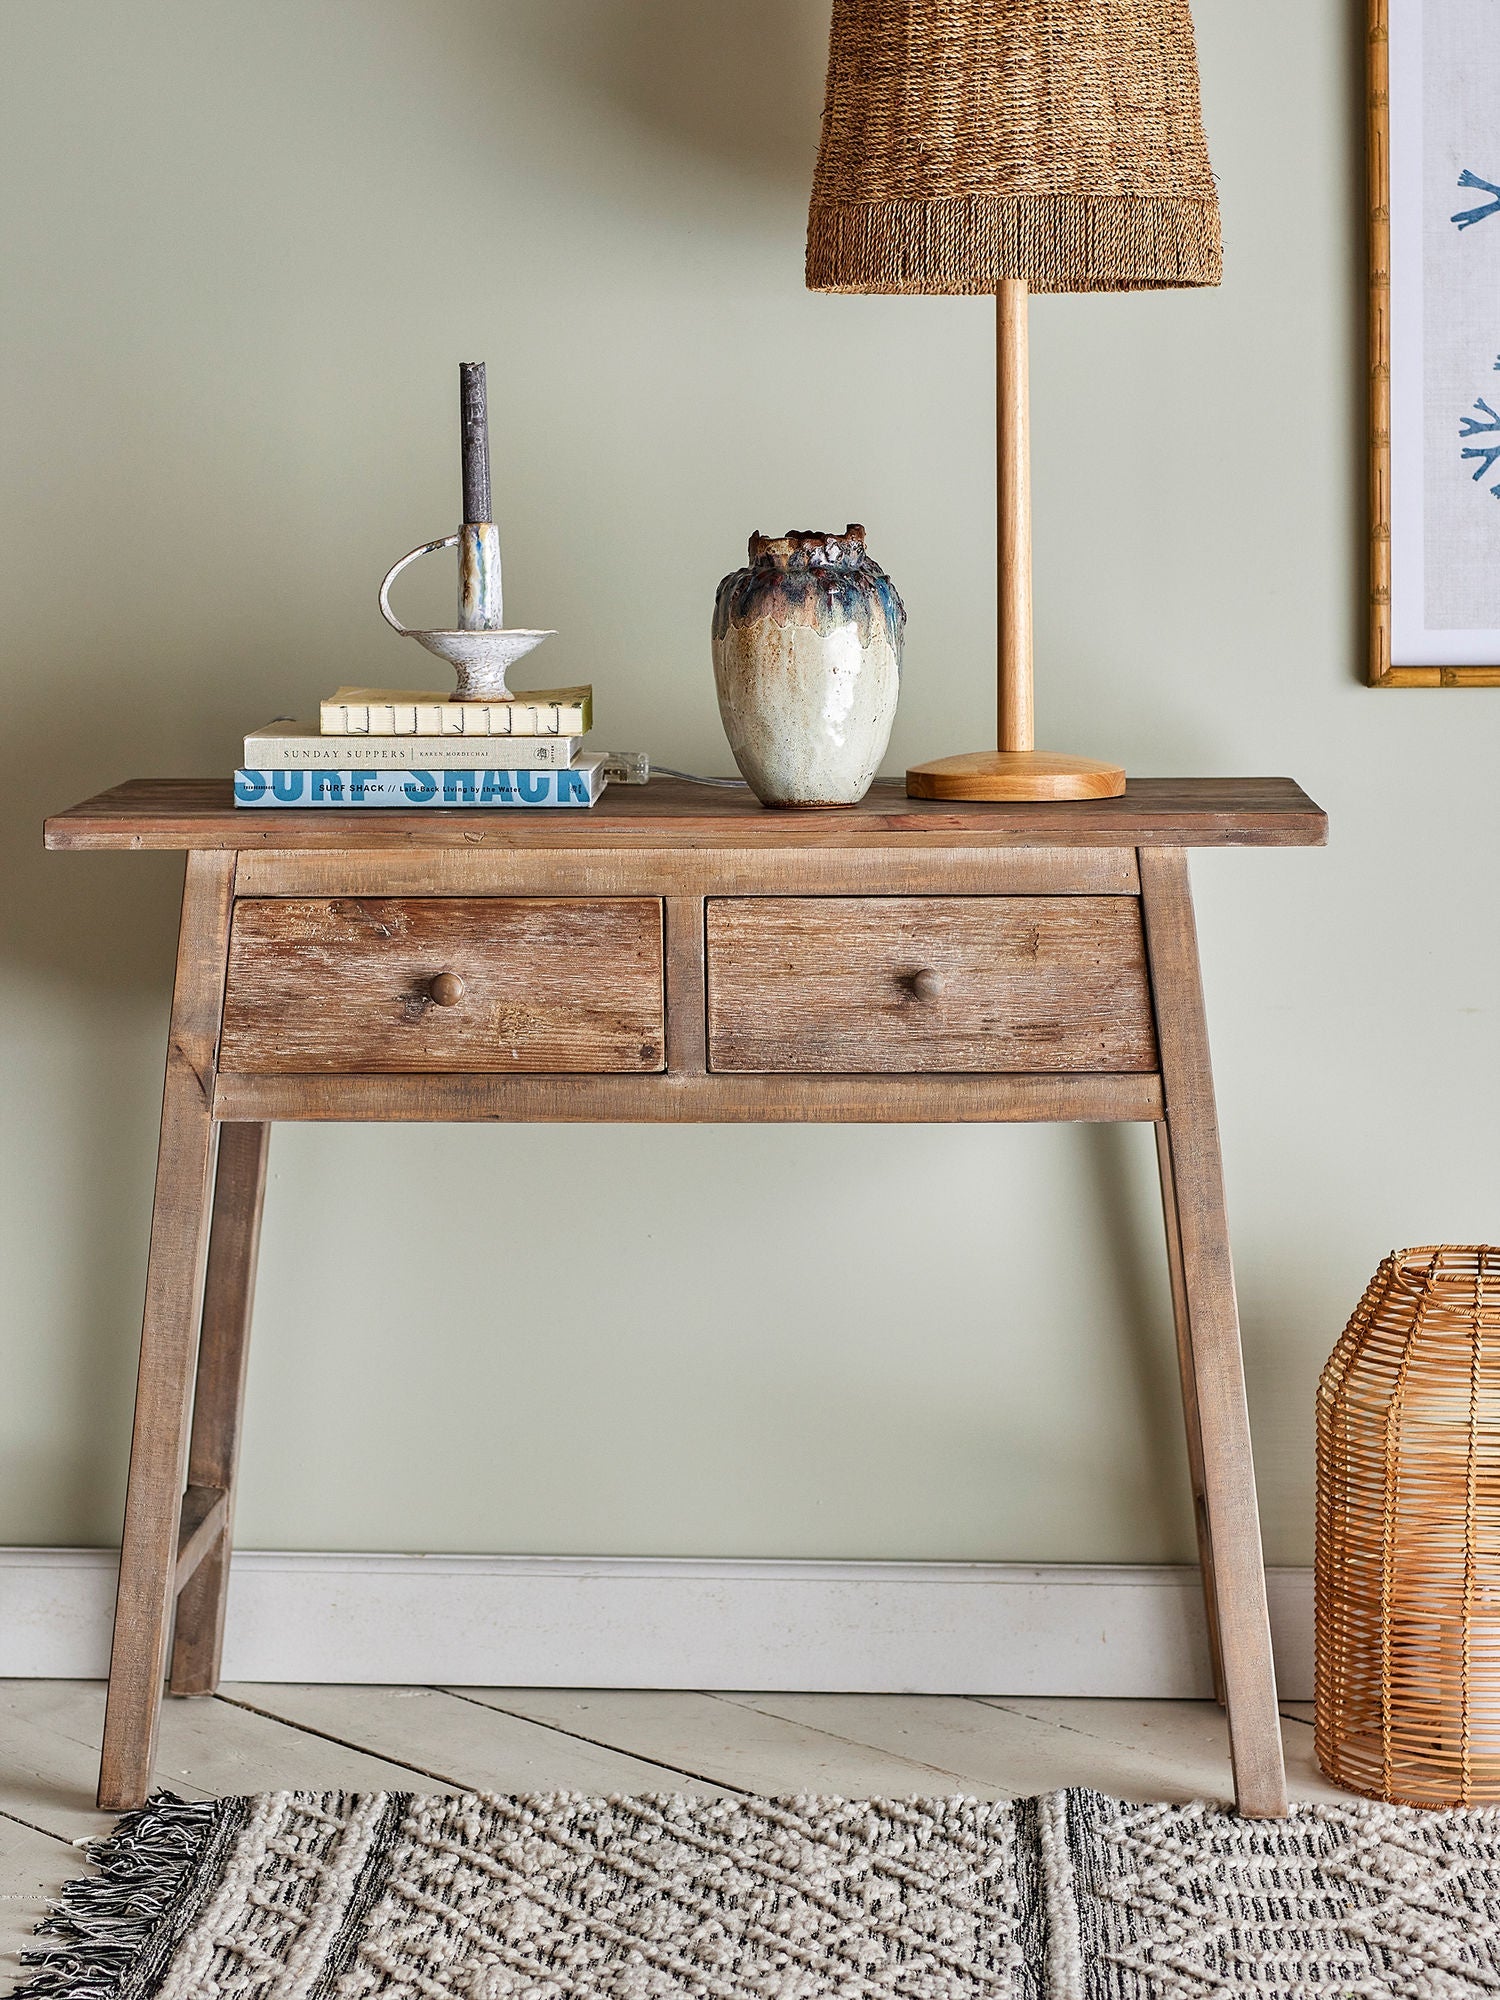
[[427, 549]]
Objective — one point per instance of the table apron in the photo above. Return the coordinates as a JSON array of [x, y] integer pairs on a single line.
[[952, 1098], [874, 871]]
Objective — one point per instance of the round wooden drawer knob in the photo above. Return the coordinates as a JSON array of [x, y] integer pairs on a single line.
[[447, 989], [927, 984]]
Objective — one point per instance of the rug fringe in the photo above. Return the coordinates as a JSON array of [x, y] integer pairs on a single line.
[[105, 1922]]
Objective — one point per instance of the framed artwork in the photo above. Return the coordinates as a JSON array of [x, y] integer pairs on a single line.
[[1434, 185]]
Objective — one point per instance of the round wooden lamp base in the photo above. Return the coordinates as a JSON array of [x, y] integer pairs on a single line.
[[1014, 776]]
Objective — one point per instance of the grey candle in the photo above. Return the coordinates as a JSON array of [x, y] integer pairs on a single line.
[[479, 598], [474, 427]]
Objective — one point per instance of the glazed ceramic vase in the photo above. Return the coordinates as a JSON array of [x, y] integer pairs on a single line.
[[807, 661]]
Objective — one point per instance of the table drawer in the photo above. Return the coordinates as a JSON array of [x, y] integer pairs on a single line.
[[903, 983], [533, 984]]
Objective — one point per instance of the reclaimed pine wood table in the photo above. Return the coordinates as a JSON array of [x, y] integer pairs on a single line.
[[674, 954]]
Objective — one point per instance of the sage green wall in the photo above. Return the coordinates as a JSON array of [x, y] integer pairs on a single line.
[[242, 248]]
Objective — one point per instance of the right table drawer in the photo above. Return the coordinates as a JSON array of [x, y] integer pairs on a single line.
[[908, 983]]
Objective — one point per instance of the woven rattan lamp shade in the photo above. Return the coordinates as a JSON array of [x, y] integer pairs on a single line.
[[966, 142], [1408, 1550]]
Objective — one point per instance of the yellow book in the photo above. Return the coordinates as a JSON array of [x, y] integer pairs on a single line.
[[354, 711]]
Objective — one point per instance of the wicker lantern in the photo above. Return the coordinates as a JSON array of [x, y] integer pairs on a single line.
[[1012, 146], [1408, 1549]]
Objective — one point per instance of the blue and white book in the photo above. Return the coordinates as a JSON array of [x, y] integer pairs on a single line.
[[578, 786]]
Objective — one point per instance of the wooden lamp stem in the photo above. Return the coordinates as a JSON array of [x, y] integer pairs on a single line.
[[1017, 771], [1013, 443]]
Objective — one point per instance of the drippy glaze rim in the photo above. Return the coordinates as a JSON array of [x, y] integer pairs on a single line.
[[813, 544]]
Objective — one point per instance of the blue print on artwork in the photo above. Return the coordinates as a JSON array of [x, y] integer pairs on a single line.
[[1485, 453], [1467, 217]]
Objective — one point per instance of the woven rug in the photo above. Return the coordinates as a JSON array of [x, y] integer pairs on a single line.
[[331, 1896]]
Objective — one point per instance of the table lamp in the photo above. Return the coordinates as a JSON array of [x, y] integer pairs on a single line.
[[1006, 147]]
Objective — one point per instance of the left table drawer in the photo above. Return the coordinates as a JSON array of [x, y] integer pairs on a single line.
[[403, 984]]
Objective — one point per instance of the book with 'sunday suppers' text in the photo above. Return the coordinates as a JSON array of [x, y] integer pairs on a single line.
[[291, 746]]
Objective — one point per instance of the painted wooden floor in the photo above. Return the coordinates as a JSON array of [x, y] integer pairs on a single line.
[[265, 1738]]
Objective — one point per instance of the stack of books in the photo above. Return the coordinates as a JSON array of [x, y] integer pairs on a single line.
[[398, 747]]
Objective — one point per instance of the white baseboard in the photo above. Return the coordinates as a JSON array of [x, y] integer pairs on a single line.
[[557, 1621]]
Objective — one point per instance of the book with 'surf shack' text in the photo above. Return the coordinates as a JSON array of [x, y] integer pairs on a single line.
[[578, 786]]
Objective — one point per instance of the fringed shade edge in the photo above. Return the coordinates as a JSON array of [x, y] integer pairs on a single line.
[[1057, 243]]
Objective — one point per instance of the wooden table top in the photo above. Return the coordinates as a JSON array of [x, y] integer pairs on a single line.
[[669, 813]]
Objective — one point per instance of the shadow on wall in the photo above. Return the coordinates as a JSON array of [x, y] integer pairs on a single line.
[[741, 85], [1126, 1220]]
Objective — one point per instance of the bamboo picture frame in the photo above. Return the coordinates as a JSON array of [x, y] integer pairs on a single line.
[[1387, 667]]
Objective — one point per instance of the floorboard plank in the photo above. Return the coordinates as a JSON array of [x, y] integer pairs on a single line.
[[49, 1755], [33, 1868], [1186, 1741], [473, 1743], [721, 1741], [985, 1750]]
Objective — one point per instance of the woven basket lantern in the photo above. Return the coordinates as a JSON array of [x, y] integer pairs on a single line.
[[1408, 1550], [970, 141]]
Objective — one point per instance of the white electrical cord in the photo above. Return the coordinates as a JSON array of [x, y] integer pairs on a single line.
[[634, 767], [692, 777]]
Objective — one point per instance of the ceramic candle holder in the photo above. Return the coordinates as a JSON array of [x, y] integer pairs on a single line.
[[481, 656]]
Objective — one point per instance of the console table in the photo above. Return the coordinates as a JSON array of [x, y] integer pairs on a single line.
[[673, 954]]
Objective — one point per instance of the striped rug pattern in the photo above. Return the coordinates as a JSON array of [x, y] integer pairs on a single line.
[[1072, 1896]]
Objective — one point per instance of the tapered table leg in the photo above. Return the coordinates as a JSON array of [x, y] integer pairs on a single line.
[[1189, 1380], [1215, 1379], [219, 1395], [169, 1338]]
